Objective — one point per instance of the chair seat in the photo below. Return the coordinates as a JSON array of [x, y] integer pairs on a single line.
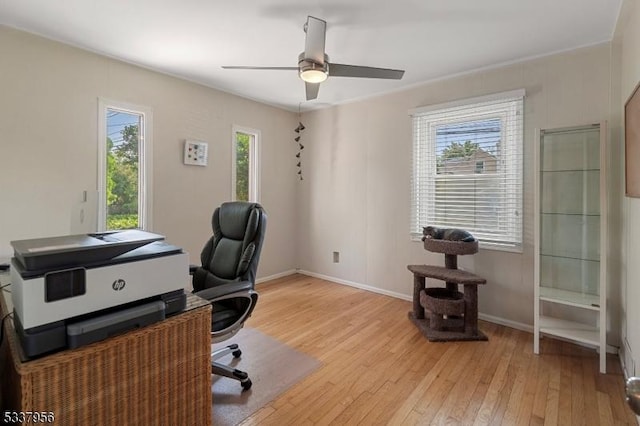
[[223, 317]]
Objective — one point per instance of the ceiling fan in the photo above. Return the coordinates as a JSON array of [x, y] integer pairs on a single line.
[[314, 66]]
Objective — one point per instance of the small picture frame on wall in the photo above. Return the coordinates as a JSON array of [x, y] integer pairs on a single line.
[[195, 153], [632, 144]]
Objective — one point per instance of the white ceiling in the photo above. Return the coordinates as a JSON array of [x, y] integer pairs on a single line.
[[430, 39]]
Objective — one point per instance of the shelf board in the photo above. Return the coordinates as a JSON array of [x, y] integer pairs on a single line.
[[569, 170], [571, 214], [569, 257], [571, 330], [570, 298]]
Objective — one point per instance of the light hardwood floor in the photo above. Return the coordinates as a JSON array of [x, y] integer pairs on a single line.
[[378, 369]]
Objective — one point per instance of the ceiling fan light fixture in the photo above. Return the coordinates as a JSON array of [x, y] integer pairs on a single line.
[[311, 71], [313, 75]]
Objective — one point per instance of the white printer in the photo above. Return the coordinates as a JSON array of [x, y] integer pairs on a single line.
[[72, 290]]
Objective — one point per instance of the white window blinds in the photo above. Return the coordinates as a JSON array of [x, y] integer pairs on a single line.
[[467, 168]]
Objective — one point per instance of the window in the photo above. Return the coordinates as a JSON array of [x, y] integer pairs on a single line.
[[245, 164], [467, 168], [124, 175]]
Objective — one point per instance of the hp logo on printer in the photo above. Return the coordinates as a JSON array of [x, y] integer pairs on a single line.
[[118, 284]]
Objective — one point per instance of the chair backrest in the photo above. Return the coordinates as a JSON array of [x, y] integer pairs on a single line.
[[233, 252]]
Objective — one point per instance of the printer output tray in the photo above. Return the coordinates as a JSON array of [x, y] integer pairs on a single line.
[[104, 326]]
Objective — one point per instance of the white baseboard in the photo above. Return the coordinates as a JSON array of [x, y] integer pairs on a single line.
[[507, 323], [275, 276], [357, 285]]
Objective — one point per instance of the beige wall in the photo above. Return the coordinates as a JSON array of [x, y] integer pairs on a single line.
[[356, 196], [627, 67], [48, 147], [357, 163]]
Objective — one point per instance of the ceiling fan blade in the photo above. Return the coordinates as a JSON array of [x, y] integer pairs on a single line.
[[233, 67], [312, 90], [316, 30], [341, 70]]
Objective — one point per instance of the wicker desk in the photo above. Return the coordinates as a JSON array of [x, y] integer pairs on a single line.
[[157, 375]]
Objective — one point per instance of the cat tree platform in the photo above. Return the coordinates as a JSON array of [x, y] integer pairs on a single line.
[[445, 314]]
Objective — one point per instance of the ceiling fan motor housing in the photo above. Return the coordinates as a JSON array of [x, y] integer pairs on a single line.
[[312, 71]]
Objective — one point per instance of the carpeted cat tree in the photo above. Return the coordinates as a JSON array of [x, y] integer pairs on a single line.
[[443, 313]]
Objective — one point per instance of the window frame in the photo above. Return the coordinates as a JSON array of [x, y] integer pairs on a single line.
[[254, 162], [425, 168], [145, 161]]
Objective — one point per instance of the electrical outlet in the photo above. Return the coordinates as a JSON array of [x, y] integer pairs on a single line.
[[336, 257]]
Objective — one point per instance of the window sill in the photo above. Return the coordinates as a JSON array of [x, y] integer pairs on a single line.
[[483, 245], [500, 247]]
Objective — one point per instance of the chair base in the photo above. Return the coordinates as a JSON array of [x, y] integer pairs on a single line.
[[225, 370]]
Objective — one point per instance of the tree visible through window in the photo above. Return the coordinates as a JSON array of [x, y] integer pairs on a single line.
[[123, 177], [245, 164], [242, 166]]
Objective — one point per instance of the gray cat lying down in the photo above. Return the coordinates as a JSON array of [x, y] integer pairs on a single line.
[[451, 234]]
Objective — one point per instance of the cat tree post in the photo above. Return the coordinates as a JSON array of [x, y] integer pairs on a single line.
[[452, 315], [451, 262]]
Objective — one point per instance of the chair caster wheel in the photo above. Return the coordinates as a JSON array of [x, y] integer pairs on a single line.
[[246, 385], [236, 354]]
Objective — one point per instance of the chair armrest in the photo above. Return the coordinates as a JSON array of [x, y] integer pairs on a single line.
[[222, 291], [192, 269], [233, 290]]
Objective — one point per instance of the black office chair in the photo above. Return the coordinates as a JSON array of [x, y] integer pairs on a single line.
[[228, 274]]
